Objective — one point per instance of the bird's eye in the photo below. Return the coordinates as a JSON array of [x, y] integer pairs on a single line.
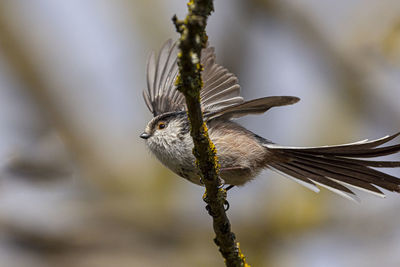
[[161, 125]]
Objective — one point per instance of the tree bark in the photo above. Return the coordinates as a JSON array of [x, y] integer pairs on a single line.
[[193, 39]]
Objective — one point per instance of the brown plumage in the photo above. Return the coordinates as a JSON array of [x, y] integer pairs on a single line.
[[243, 154]]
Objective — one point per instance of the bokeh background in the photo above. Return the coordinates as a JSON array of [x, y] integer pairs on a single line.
[[78, 187]]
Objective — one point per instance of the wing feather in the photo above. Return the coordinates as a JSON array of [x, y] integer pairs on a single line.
[[161, 95], [150, 79], [220, 90], [217, 80], [255, 106]]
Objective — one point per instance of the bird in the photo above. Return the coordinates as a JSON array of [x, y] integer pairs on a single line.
[[242, 154]]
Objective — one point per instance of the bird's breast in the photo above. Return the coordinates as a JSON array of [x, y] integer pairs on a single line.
[[176, 155]]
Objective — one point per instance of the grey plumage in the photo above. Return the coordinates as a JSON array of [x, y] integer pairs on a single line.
[[221, 88], [256, 106], [243, 154], [341, 164]]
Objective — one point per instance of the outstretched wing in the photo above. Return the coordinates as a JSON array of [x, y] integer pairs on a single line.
[[220, 90], [161, 95], [255, 106]]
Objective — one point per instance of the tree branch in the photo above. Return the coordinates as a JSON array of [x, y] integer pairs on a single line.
[[193, 39]]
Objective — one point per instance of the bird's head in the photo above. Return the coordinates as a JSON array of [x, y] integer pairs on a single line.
[[166, 129]]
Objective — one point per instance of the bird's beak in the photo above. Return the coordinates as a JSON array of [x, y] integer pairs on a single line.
[[144, 135]]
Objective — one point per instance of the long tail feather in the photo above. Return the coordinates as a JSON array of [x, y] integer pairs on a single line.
[[339, 167]]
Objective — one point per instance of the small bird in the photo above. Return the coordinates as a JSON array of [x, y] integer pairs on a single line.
[[242, 154]]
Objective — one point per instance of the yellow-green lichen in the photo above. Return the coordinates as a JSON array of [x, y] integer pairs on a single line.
[[190, 4], [178, 80], [193, 38], [241, 255]]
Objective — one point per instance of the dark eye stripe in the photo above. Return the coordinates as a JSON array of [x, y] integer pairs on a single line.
[[167, 117]]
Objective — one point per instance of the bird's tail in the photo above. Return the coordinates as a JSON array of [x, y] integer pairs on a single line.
[[338, 167]]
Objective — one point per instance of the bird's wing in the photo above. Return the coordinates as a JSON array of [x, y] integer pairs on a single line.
[[256, 106], [220, 90], [338, 167], [161, 95]]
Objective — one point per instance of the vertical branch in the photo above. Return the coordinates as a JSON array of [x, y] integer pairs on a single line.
[[193, 39]]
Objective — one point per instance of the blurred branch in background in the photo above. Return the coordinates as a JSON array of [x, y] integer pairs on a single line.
[[353, 67], [19, 57], [76, 192]]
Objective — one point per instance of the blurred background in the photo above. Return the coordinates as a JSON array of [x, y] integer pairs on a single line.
[[78, 187]]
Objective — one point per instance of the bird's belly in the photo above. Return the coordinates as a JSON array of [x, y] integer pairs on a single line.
[[183, 165], [239, 153]]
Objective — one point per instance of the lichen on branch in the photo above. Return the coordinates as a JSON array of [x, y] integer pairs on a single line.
[[192, 40]]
